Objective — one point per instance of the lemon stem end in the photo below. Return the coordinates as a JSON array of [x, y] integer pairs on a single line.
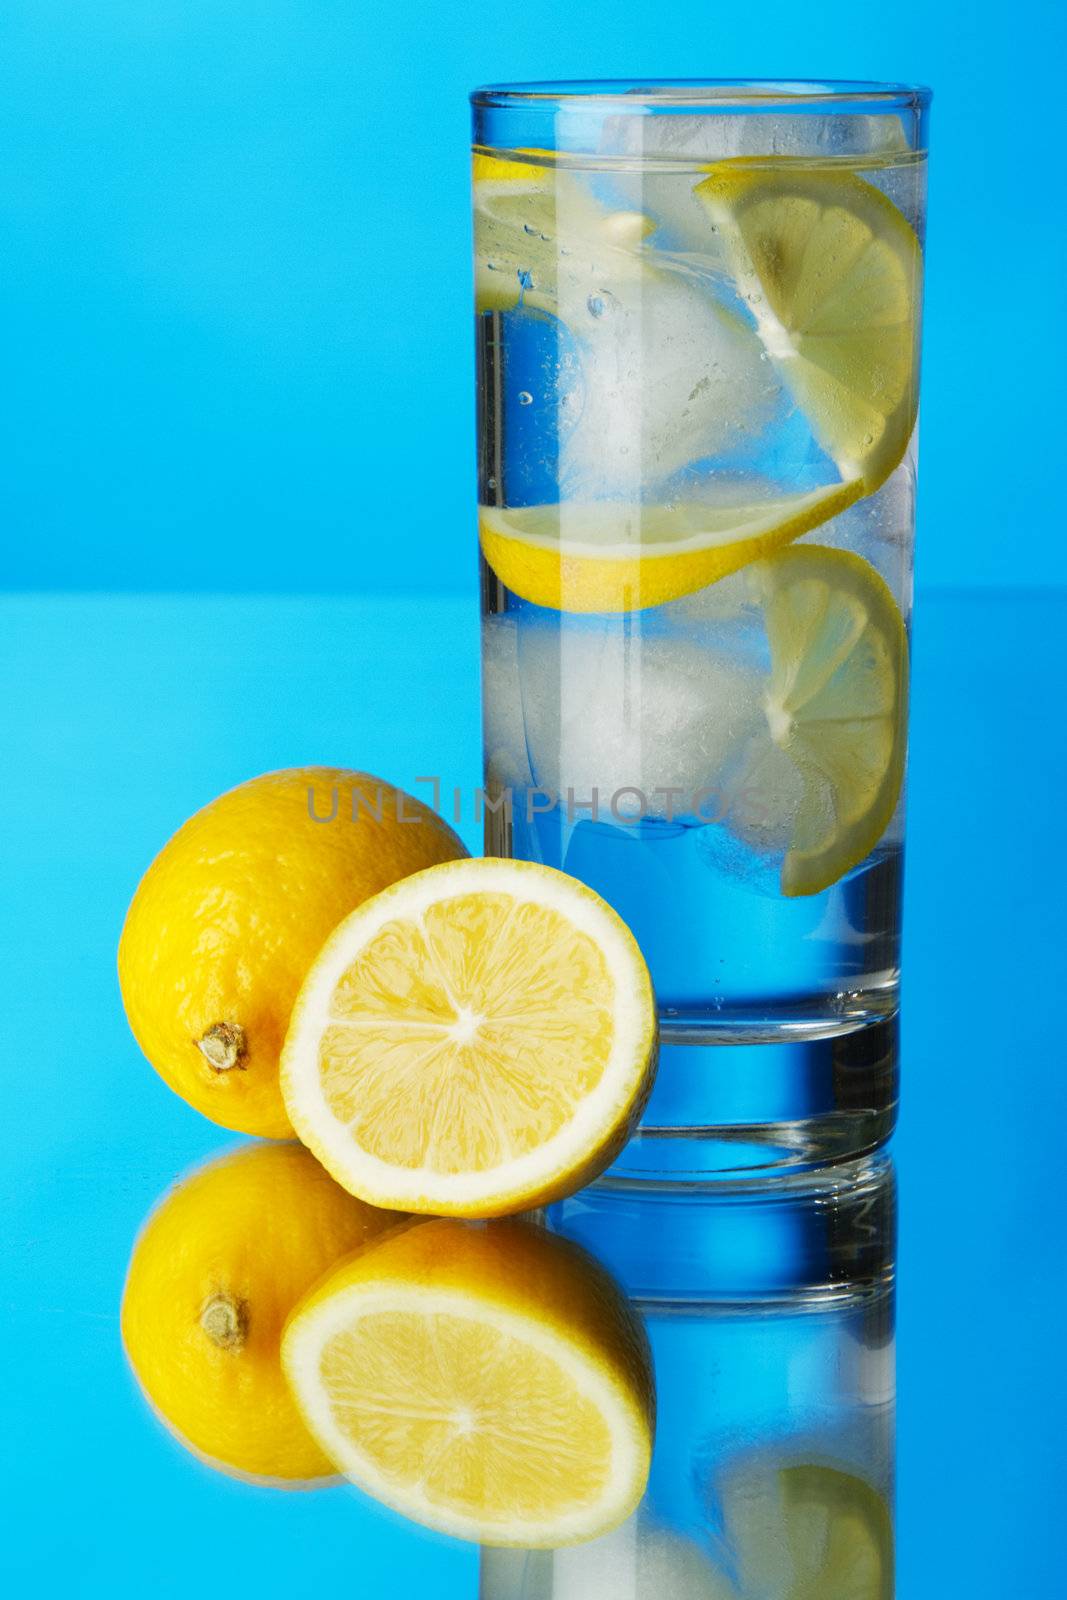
[[224, 1045], [225, 1321]]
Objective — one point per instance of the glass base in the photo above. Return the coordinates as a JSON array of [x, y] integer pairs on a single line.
[[731, 1106]]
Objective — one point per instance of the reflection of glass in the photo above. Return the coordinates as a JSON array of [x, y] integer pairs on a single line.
[[770, 1315]]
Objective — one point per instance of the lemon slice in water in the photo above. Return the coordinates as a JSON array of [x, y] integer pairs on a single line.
[[836, 704], [609, 557], [810, 1532], [831, 271]]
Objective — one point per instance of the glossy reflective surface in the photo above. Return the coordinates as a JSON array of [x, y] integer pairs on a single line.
[[121, 717]]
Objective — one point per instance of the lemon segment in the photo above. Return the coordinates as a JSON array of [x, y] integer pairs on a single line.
[[832, 273], [606, 557], [492, 1383], [475, 1041], [836, 704]]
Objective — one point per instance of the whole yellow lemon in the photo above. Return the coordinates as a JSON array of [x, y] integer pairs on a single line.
[[213, 1276], [230, 915]]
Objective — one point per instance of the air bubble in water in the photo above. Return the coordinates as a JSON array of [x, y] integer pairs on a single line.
[[525, 397]]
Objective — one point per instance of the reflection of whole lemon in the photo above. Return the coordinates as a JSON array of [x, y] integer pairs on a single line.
[[491, 1382], [213, 1276], [232, 912]]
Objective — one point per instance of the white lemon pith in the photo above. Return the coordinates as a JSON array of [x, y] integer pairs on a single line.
[[836, 704], [472, 1042], [479, 1382]]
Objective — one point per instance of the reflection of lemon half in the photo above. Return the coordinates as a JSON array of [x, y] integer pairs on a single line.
[[605, 557], [478, 1039], [832, 273], [810, 1533], [490, 1382], [836, 704], [213, 1276]]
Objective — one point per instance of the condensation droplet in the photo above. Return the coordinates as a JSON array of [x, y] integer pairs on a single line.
[[525, 397]]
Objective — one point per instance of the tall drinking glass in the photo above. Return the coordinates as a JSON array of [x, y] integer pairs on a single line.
[[698, 310]]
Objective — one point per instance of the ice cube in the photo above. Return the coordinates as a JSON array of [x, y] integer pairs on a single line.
[[639, 1563], [657, 369], [653, 722], [662, 158], [880, 527], [726, 601], [666, 376], [506, 763], [709, 136]]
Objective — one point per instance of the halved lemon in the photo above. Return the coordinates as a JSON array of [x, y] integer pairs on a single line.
[[608, 557], [489, 1382], [811, 1532], [476, 1042], [836, 704], [832, 273]]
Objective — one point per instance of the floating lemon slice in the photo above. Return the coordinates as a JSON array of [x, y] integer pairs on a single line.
[[472, 1042], [488, 169], [836, 704], [492, 1383], [810, 1533], [606, 557], [542, 238], [831, 271]]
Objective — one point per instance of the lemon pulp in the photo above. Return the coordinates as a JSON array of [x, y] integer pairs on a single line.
[[474, 1041]]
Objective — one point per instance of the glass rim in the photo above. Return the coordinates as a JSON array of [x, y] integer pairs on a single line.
[[711, 95]]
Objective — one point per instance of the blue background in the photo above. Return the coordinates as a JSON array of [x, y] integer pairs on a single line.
[[236, 296], [236, 337]]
